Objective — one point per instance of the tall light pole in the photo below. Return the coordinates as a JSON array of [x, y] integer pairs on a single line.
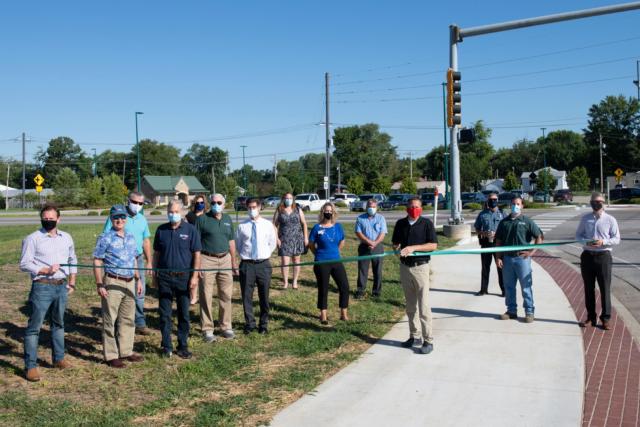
[[95, 165], [244, 170], [446, 153], [637, 80], [544, 157], [327, 134], [138, 150]]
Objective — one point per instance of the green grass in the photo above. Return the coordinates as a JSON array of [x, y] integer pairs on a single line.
[[240, 382]]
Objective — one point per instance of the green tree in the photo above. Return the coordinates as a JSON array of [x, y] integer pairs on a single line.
[[62, 152], [355, 184], [114, 190], [578, 179], [523, 156], [282, 186], [408, 186], [156, 158], [92, 196], [565, 149], [116, 162], [432, 165], [511, 182], [382, 184], [229, 188], [364, 151], [545, 180], [475, 158], [66, 187], [200, 160]]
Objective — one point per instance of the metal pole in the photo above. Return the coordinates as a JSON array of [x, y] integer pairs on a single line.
[[327, 133], [275, 168], [411, 166], [138, 149], [456, 205], [446, 154], [6, 190], [95, 164], [24, 168], [601, 174], [213, 180], [544, 156], [637, 80], [244, 170], [339, 178], [124, 167]]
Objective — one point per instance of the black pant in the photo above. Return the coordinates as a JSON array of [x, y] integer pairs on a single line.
[[169, 288], [252, 274], [339, 274], [363, 268], [596, 265], [486, 268]]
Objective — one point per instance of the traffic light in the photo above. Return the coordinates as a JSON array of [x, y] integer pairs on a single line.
[[453, 98]]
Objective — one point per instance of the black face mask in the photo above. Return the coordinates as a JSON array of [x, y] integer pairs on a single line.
[[492, 203], [327, 215], [48, 224], [596, 205]]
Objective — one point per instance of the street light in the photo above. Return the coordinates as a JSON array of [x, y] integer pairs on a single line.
[[544, 156], [138, 149]]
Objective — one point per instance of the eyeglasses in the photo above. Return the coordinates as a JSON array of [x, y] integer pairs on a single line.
[[136, 203], [219, 202], [118, 217]]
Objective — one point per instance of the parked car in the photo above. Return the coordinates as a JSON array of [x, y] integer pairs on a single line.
[[563, 196], [360, 204], [345, 198], [538, 197], [271, 201], [624, 193], [395, 200], [240, 204], [309, 201], [429, 199], [505, 198], [467, 198]]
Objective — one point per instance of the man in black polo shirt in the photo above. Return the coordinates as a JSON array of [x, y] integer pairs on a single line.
[[176, 249], [416, 234]]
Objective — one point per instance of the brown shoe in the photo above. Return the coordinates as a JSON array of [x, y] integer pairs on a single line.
[[507, 316], [586, 322], [143, 330], [133, 357], [62, 364], [528, 318], [33, 375], [605, 325], [116, 363]]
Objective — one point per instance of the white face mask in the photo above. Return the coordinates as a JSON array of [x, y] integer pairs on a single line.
[[371, 211], [253, 213], [135, 208]]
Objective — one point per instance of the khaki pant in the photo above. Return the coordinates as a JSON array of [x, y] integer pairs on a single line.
[[224, 280], [415, 283], [119, 306]]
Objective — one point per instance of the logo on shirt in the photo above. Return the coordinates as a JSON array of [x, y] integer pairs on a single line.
[[184, 236], [321, 232]]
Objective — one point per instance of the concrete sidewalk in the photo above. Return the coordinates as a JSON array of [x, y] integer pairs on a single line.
[[483, 371]]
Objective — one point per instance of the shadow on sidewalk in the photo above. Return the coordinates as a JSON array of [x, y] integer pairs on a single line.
[[453, 312], [453, 291]]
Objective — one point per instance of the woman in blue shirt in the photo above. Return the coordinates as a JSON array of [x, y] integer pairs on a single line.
[[325, 241]]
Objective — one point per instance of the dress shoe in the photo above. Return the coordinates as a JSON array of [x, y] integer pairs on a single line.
[[33, 375], [408, 343], [605, 325], [116, 363], [359, 295], [426, 348], [134, 357], [248, 330], [508, 316], [62, 364], [143, 330], [167, 354], [584, 323], [263, 330], [529, 318], [184, 354], [480, 293]]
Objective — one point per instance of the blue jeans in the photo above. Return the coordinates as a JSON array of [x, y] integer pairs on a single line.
[[170, 288], [41, 299], [518, 269], [140, 319]]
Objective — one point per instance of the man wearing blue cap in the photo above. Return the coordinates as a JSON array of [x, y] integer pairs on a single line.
[[118, 283]]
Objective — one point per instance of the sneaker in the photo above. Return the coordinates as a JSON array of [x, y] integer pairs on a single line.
[[33, 375], [167, 354], [62, 364], [359, 295], [209, 337], [528, 318], [408, 343], [507, 316], [184, 354], [228, 334], [426, 348]]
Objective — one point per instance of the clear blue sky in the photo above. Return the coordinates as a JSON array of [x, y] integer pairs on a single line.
[[208, 69]]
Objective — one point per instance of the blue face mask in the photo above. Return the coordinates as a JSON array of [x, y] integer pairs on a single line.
[[216, 208], [371, 211], [515, 209], [174, 217], [200, 206], [288, 202]]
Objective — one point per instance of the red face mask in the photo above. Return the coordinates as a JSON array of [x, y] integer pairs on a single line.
[[414, 212]]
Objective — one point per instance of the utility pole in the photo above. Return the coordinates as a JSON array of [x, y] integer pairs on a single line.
[[275, 168], [244, 170], [339, 178], [411, 166], [213, 179], [6, 190], [24, 167], [544, 157], [95, 164], [601, 174], [446, 153], [327, 133], [124, 167], [138, 149], [637, 80]]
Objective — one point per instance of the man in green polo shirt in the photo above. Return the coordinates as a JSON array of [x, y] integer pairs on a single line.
[[517, 230], [218, 252]]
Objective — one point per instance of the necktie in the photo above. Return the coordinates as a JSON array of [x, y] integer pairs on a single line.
[[254, 241]]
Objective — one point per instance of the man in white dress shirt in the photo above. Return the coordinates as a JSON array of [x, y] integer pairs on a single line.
[[255, 241]]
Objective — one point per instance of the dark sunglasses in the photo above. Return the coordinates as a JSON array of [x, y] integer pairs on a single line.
[[136, 203], [217, 203], [118, 217]]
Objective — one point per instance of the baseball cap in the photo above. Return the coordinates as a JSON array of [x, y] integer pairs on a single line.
[[117, 210]]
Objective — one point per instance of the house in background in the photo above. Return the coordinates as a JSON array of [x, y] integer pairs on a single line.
[[560, 176], [160, 189], [422, 185], [494, 185], [630, 179]]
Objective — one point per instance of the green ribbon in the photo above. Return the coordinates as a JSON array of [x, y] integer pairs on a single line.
[[474, 251]]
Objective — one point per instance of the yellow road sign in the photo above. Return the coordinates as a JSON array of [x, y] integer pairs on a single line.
[[38, 179], [619, 172], [38, 188]]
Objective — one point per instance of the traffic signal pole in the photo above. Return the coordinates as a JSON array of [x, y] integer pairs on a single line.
[[454, 152]]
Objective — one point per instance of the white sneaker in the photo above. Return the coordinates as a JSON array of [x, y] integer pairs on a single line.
[[417, 343], [228, 334], [209, 337]]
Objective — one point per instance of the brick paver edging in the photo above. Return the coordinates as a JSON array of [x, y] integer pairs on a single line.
[[612, 358]]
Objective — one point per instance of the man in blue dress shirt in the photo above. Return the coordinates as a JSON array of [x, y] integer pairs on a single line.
[[486, 225], [371, 227]]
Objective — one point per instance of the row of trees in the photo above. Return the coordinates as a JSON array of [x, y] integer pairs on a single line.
[[366, 158]]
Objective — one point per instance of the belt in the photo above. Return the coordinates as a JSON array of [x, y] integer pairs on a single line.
[[50, 281], [220, 255], [254, 261], [596, 252], [115, 276], [415, 263], [174, 273]]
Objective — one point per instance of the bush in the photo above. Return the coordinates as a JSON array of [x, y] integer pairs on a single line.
[[342, 204], [155, 212], [474, 206], [93, 213], [400, 208], [536, 205], [104, 212], [633, 201]]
